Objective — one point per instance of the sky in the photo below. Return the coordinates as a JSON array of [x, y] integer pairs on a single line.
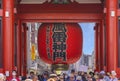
[[88, 37]]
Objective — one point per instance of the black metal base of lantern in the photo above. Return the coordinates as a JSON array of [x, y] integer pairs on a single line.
[[61, 67]]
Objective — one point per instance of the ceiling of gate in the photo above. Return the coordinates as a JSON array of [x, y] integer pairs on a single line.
[[43, 1]]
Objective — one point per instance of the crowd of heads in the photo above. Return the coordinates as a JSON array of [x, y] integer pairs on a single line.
[[12, 78], [75, 76], [72, 76]]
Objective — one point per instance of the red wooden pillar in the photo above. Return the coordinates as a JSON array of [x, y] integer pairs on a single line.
[[8, 37], [111, 34], [19, 48], [22, 49], [97, 60], [101, 45], [25, 50]]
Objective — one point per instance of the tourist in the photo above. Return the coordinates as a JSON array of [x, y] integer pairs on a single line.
[[44, 77], [71, 77], [79, 78], [32, 74], [2, 77], [53, 77], [14, 76], [113, 76]]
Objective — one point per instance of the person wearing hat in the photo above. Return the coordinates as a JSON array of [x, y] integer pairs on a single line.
[[78, 78], [113, 76], [28, 80], [105, 77], [53, 77], [102, 72]]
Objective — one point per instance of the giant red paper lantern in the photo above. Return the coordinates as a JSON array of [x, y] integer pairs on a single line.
[[60, 43]]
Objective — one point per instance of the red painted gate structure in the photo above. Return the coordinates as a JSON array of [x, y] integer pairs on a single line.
[[103, 14]]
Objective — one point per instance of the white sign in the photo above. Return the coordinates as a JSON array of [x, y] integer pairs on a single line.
[[7, 73], [83, 68], [112, 13], [7, 14]]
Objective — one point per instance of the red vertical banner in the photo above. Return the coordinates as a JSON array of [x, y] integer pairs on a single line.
[[111, 34], [8, 37]]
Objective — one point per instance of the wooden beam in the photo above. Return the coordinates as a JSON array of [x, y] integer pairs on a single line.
[[60, 8], [61, 17]]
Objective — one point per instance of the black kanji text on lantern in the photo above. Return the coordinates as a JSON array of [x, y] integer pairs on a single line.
[[59, 41]]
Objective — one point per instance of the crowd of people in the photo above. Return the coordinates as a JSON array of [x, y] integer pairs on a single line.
[[72, 76]]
